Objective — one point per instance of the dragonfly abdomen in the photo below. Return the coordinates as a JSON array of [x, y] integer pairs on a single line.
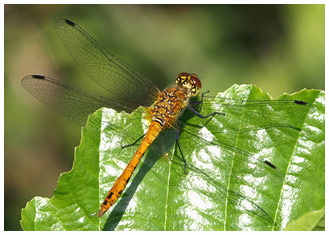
[[120, 184]]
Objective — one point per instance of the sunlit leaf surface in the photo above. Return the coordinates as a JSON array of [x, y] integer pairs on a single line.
[[228, 185]]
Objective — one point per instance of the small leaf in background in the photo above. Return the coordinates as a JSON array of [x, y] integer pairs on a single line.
[[310, 221], [228, 185]]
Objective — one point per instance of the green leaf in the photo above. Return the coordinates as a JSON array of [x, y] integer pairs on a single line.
[[310, 221], [228, 185]]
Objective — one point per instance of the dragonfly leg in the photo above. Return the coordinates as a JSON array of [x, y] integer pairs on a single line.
[[201, 116], [129, 145], [177, 142], [200, 101]]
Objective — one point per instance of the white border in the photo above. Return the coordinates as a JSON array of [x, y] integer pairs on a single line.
[[164, 2], [131, 2], [2, 203]]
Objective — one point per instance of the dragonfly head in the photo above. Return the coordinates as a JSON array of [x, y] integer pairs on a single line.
[[190, 82]]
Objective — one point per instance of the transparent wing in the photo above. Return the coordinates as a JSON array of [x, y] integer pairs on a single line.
[[255, 113], [246, 128], [119, 79], [72, 102], [243, 151]]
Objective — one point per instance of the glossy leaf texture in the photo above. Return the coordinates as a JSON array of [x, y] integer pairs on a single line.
[[228, 185]]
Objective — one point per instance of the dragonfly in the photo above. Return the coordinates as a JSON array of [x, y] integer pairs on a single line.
[[129, 89]]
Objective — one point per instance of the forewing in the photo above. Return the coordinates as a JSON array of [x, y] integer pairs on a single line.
[[119, 79]]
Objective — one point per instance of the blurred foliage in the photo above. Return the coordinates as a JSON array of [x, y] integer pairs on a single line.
[[279, 48]]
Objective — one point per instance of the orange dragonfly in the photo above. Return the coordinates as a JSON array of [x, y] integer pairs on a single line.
[[128, 90]]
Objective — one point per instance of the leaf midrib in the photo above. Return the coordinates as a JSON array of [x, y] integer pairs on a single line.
[[230, 173], [288, 166]]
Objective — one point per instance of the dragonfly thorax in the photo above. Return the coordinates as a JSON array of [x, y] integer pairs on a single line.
[[169, 105]]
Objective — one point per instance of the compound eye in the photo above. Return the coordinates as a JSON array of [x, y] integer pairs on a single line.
[[197, 84], [184, 74]]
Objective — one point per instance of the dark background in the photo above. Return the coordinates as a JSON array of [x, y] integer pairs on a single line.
[[279, 48]]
